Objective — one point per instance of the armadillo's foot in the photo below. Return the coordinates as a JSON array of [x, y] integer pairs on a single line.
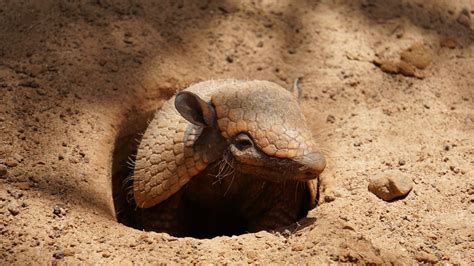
[[328, 189]]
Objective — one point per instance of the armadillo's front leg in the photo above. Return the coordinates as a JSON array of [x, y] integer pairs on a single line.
[[283, 209], [328, 188], [164, 217]]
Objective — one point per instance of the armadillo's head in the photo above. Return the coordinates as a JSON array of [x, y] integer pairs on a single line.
[[262, 128]]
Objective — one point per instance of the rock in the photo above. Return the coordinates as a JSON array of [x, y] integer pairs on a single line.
[[69, 252], [464, 18], [41, 92], [29, 84], [34, 70], [348, 227], [390, 186], [15, 194], [252, 254], [24, 185], [417, 55], [59, 210], [10, 162], [331, 119], [406, 69], [262, 234], [58, 254], [332, 193], [448, 42], [13, 209], [425, 257], [3, 170], [399, 31], [286, 233], [389, 67], [454, 169], [228, 8], [297, 247]]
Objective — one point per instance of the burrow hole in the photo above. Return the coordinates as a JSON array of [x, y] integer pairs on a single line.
[[204, 223]]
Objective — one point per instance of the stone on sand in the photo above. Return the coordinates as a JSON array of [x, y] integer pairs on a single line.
[[391, 185]]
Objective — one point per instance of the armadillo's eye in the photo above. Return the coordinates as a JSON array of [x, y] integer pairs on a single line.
[[243, 142]]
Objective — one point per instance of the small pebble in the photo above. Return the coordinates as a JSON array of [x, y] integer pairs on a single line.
[[406, 69], [262, 234], [58, 254], [41, 92], [59, 210], [348, 227], [389, 67], [69, 252], [252, 254], [13, 209], [34, 70], [23, 185], [390, 186], [331, 119], [16, 194], [297, 247], [448, 42], [417, 55], [426, 258], [464, 18], [286, 233], [10, 162], [332, 195], [29, 84], [454, 169]]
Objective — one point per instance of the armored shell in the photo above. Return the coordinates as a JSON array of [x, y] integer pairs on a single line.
[[167, 159]]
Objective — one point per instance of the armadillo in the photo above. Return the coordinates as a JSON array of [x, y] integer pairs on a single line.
[[240, 147]]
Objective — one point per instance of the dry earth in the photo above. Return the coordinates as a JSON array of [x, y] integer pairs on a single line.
[[80, 78]]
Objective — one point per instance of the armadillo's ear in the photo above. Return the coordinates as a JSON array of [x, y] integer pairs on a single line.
[[194, 109], [296, 89]]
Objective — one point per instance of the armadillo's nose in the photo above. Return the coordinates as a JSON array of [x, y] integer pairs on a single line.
[[313, 164]]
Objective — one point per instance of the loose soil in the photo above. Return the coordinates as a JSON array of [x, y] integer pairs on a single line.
[[387, 86]]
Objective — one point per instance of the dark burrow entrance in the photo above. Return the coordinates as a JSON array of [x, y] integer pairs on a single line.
[[192, 217]]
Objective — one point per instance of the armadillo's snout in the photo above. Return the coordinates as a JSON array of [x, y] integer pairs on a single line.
[[312, 165]]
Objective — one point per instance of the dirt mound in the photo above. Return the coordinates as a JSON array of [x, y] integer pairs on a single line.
[[387, 86]]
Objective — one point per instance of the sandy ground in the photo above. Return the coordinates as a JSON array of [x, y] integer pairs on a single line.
[[78, 78]]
